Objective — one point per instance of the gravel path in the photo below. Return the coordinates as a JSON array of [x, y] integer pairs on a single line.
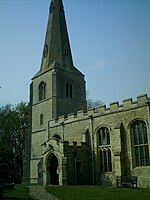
[[39, 193]]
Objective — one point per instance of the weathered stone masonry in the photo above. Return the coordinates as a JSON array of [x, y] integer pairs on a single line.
[[68, 144], [118, 118]]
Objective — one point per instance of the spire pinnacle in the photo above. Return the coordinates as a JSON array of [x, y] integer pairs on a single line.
[[56, 46]]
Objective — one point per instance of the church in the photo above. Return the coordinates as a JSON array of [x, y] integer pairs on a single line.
[[67, 144]]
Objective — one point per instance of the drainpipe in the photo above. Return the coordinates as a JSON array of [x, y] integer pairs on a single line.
[[62, 124], [92, 145]]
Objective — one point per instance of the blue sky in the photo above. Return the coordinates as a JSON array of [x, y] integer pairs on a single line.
[[110, 41]]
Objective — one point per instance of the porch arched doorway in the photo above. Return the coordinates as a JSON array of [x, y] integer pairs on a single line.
[[53, 170]]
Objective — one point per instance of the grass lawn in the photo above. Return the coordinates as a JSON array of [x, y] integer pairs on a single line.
[[19, 193], [98, 193]]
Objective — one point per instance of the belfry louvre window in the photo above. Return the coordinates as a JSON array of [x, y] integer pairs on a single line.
[[68, 89], [42, 91], [140, 143], [104, 150]]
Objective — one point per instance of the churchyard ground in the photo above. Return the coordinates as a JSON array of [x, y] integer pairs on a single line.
[[89, 192], [20, 192], [98, 193]]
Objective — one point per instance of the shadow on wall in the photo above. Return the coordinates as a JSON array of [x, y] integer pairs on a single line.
[[92, 157], [125, 162], [40, 172], [78, 162]]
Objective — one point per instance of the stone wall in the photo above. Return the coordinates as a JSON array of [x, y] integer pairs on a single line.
[[78, 163], [83, 128]]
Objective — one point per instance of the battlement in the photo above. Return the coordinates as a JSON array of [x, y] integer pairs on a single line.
[[114, 107], [74, 144]]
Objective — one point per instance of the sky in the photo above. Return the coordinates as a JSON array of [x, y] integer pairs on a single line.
[[110, 42]]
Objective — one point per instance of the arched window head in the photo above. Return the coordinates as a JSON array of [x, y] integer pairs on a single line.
[[68, 89], [42, 91], [104, 149], [104, 137], [140, 143]]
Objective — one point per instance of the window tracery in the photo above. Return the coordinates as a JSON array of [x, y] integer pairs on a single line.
[[140, 143], [105, 154]]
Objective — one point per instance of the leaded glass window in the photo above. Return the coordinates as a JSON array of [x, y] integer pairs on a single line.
[[104, 150], [140, 143], [104, 138]]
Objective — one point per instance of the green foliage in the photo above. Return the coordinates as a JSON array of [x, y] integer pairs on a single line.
[[21, 192], [98, 192], [13, 126]]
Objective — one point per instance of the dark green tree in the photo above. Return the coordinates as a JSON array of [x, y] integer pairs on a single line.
[[13, 127]]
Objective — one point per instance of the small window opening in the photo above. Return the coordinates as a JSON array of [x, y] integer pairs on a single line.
[[68, 89], [41, 119], [42, 91]]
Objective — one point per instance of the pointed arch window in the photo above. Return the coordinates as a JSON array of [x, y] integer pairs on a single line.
[[140, 144], [42, 91], [69, 89], [104, 148], [104, 137]]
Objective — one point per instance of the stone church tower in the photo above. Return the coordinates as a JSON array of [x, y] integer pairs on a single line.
[[58, 88]]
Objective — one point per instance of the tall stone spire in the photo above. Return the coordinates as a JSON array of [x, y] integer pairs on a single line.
[[56, 46]]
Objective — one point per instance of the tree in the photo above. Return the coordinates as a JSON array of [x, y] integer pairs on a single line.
[[94, 103], [13, 126]]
